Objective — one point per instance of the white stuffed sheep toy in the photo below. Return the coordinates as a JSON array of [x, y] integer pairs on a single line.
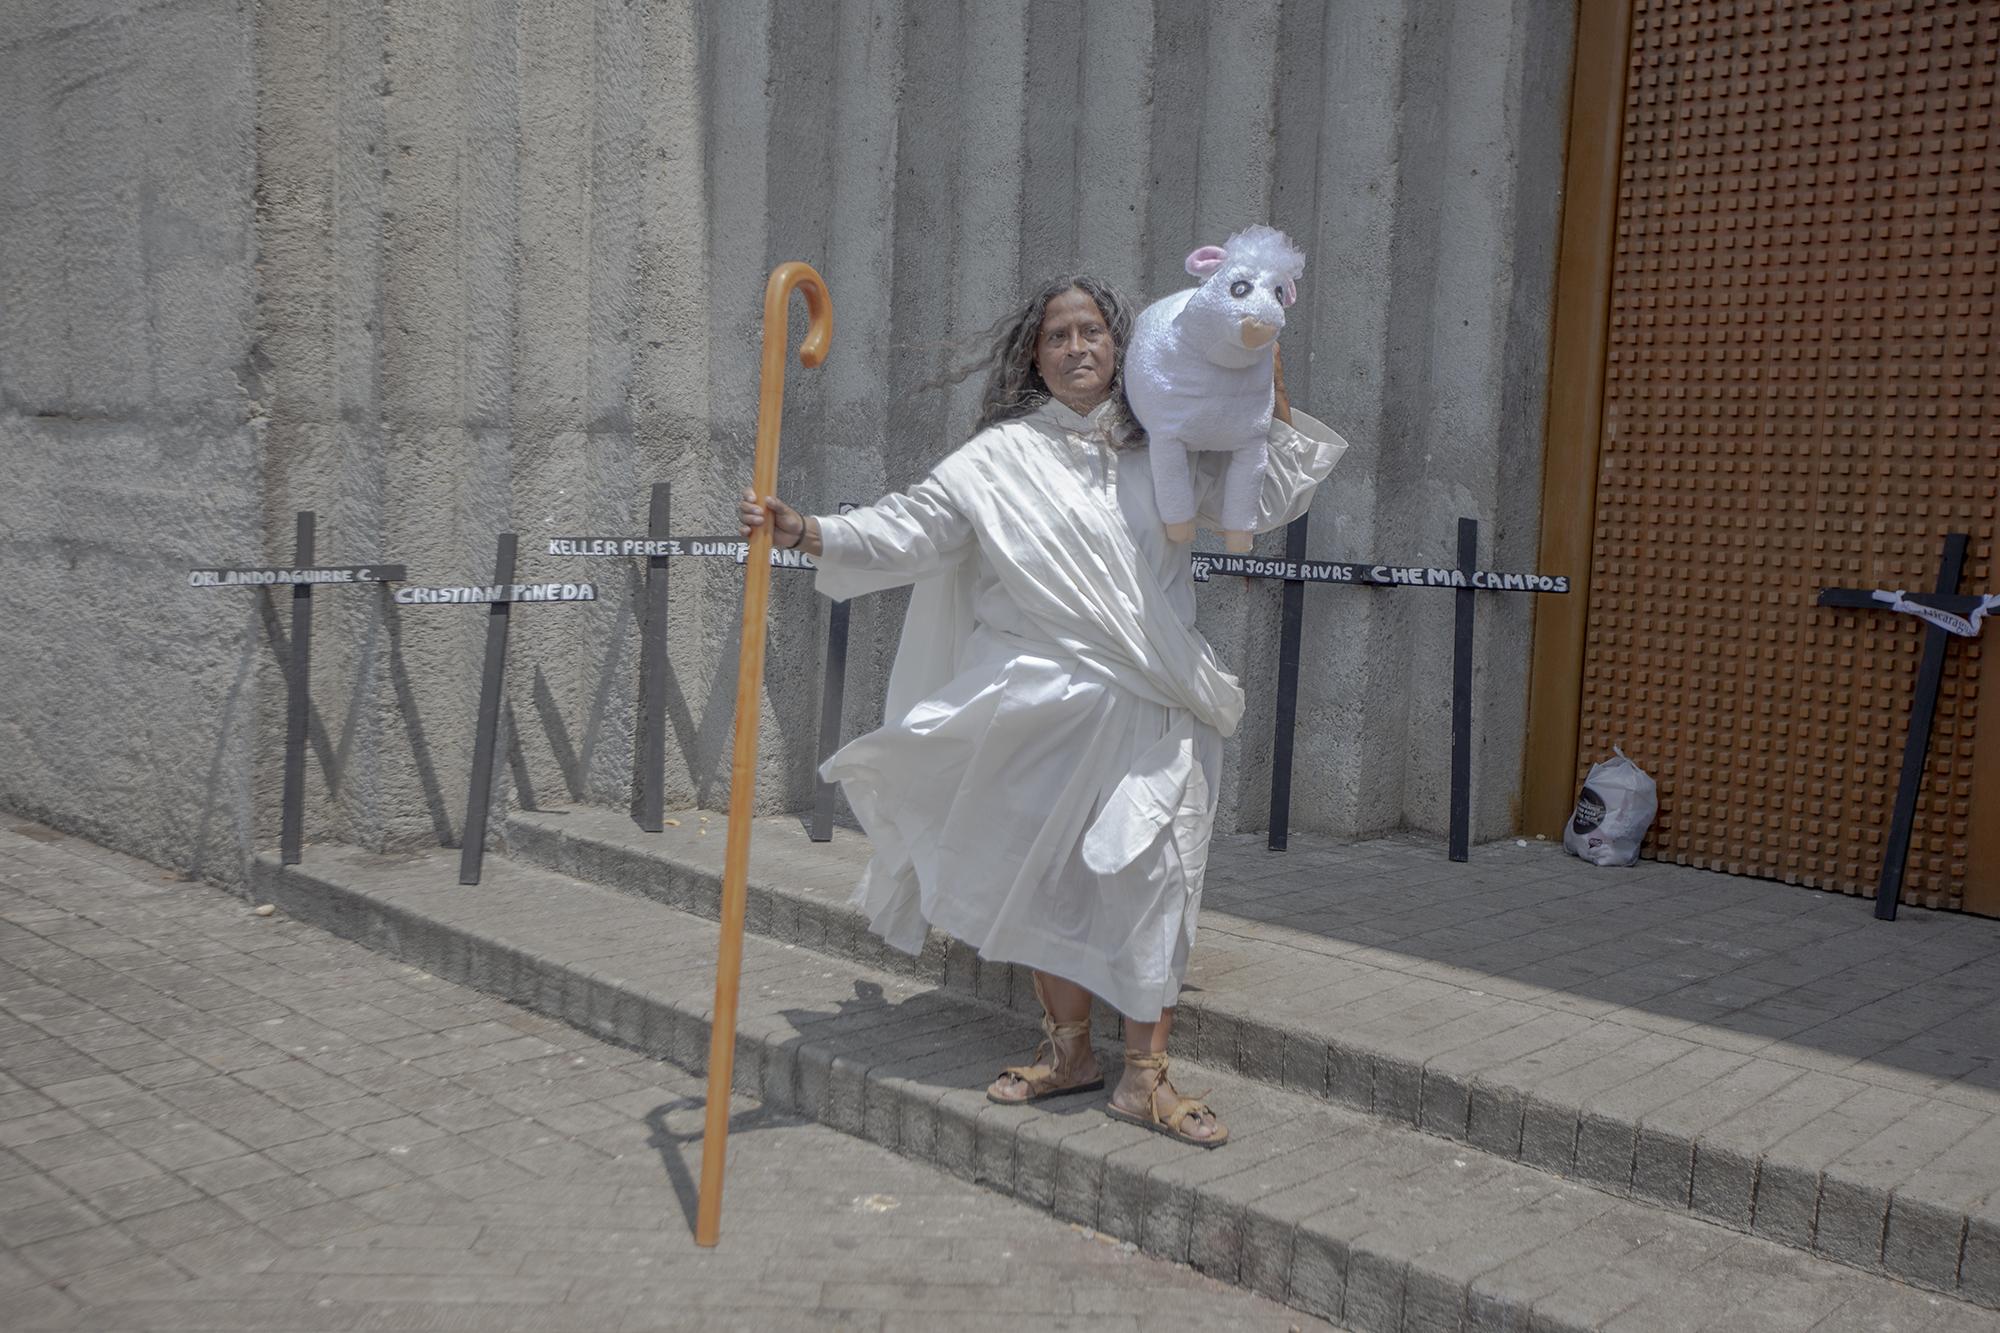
[[1198, 374]]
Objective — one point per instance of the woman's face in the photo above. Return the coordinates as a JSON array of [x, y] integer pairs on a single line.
[[1074, 351]]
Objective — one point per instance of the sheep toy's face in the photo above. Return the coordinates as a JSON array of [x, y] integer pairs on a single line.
[[1239, 309]]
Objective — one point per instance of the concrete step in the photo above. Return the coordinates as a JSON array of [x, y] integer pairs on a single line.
[[1367, 1223], [1682, 1117]]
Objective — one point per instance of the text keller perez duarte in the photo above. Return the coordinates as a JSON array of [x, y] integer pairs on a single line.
[[727, 548]]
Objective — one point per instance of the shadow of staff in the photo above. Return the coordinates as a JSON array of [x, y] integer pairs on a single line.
[[938, 1058], [668, 1142]]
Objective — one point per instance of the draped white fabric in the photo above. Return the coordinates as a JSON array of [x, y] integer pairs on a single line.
[[1044, 785]]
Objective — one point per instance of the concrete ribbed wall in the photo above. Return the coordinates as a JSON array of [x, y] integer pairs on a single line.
[[130, 436], [509, 257]]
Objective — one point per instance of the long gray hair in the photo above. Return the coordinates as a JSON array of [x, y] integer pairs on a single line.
[[1014, 387]]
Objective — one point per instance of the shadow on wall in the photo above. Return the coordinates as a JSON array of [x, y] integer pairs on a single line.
[[232, 701], [333, 754], [517, 760], [712, 786], [612, 656], [413, 726], [576, 760]]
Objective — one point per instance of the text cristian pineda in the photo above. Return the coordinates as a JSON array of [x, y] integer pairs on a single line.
[[500, 592]]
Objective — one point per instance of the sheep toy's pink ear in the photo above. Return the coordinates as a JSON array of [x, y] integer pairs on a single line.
[[1289, 292], [1206, 260]]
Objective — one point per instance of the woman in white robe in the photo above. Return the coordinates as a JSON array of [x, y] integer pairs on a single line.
[[1044, 785]]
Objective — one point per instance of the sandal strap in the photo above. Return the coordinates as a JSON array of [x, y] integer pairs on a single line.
[[1038, 1074], [1032, 1075], [1046, 1069], [1056, 1031], [1184, 1108]]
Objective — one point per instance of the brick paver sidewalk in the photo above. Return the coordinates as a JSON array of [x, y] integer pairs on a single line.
[[214, 1120]]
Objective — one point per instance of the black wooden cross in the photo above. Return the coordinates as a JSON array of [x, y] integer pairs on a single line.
[[303, 577], [497, 598], [658, 548], [1947, 612], [1466, 580]]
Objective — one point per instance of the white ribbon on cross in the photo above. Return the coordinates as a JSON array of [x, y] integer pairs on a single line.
[[1966, 625]]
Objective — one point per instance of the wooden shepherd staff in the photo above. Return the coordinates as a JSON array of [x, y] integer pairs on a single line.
[[749, 683]]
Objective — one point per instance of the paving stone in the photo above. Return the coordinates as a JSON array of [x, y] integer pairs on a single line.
[[42, 1307], [32, 1190], [138, 1277], [94, 1173], [1531, 1289], [168, 1073], [1857, 1188], [438, 1156], [1558, 1108], [39, 1127], [77, 1252], [169, 1227], [1789, 1180], [317, 1224], [1451, 1075], [1728, 1154], [269, 1198], [346, 1180], [133, 1198], [1222, 1231], [123, 1109], [1979, 1266], [60, 1216], [84, 1091], [1609, 1129], [232, 1173], [178, 1144], [37, 1070]]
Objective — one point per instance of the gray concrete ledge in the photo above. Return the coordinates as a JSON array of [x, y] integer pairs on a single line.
[[1865, 1162], [1367, 1223]]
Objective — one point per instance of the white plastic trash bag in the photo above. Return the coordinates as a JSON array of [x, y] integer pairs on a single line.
[[1613, 812]]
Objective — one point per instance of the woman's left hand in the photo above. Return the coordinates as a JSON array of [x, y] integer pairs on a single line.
[[1281, 406]]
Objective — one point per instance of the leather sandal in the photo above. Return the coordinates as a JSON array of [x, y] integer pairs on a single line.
[[1045, 1080], [1174, 1123]]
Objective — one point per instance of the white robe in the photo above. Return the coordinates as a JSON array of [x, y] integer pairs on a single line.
[[1044, 785]]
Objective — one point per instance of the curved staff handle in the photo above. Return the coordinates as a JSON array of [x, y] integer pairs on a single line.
[[749, 680]]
